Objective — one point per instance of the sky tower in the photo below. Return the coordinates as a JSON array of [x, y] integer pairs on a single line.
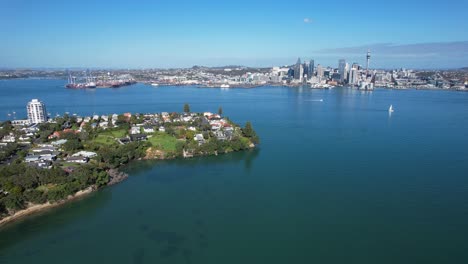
[[367, 62]]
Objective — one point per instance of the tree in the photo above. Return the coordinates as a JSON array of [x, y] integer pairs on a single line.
[[220, 111], [186, 108], [250, 133], [72, 145], [248, 130]]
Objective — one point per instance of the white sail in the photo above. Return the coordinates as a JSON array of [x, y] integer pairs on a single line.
[[390, 109]]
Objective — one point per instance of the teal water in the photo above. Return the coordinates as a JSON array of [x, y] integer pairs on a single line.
[[338, 181]]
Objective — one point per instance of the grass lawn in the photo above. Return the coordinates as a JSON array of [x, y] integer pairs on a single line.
[[108, 137], [120, 133], [104, 139], [163, 141], [45, 188]]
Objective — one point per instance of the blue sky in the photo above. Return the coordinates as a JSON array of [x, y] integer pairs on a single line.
[[142, 34]]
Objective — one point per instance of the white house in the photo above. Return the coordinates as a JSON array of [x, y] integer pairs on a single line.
[[135, 130], [148, 129]]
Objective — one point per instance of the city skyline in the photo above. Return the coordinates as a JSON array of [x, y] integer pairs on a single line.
[[153, 34]]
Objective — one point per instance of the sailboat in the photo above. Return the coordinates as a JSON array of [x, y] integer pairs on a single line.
[[390, 109]]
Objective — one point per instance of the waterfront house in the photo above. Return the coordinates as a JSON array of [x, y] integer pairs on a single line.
[[199, 138], [220, 135]]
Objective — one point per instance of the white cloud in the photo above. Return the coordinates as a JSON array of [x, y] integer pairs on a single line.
[[307, 20]]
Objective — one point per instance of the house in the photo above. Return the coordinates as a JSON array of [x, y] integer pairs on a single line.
[[199, 138], [215, 126], [47, 156], [66, 125], [162, 129], [24, 138], [148, 129], [58, 134], [77, 159], [135, 130], [191, 128], [104, 124], [23, 122], [9, 138], [87, 154], [220, 135], [32, 158], [124, 140], [127, 115], [138, 137], [43, 149], [59, 142]]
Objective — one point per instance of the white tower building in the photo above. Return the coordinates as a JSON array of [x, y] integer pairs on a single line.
[[36, 112]]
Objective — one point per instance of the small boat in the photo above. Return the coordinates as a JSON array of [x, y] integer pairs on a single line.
[[154, 84], [390, 109]]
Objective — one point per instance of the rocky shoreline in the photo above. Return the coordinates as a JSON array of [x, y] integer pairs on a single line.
[[116, 176]]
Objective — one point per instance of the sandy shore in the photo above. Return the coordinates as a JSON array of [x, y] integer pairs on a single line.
[[35, 208]]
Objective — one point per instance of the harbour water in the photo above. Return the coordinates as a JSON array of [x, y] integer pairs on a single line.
[[334, 181]]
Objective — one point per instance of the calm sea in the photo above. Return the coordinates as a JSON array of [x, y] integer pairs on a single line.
[[334, 181]]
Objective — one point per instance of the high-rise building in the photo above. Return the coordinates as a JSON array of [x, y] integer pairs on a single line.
[[319, 71], [36, 112], [305, 65], [297, 69], [342, 70], [353, 76], [301, 73], [310, 70]]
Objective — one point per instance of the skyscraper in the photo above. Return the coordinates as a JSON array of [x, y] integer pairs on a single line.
[[353, 76], [310, 71], [36, 112], [342, 70], [319, 71], [297, 69], [305, 65], [301, 73]]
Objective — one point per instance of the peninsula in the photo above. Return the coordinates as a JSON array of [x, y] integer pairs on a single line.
[[46, 164]]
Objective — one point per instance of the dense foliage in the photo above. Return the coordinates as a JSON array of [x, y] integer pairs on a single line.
[[21, 184]]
